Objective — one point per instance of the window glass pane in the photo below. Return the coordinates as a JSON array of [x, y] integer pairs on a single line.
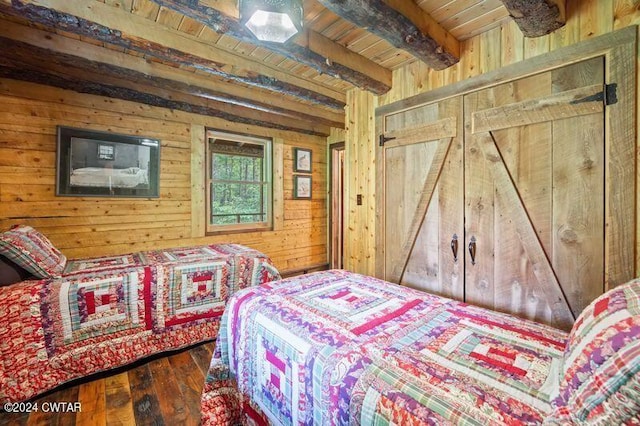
[[237, 203], [236, 167]]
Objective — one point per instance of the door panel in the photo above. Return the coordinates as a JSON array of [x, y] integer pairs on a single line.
[[529, 165], [479, 200], [407, 169], [423, 199], [578, 220], [534, 191], [431, 265]]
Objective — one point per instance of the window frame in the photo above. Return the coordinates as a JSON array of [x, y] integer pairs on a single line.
[[268, 164]]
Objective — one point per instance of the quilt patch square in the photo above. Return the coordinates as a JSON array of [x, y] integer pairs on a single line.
[[97, 306], [342, 300], [182, 254], [502, 360], [354, 306], [103, 263], [192, 292], [252, 271], [280, 380]]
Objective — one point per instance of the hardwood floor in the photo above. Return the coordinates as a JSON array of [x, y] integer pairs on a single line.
[[163, 390]]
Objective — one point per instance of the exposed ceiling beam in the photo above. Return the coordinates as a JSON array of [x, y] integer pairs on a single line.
[[537, 17], [112, 25], [309, 48], [206, 86], [25, 62], [403, 24]]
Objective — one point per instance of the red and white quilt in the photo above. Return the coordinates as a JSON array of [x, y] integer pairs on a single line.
[[107, 312]]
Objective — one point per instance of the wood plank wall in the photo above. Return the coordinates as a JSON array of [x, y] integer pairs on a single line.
[[83, 227], [485, 52]]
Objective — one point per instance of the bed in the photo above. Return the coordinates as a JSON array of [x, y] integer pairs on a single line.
[[84, 316], [129, 177], [337, 348]]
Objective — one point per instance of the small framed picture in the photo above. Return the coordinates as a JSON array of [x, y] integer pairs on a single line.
[[106, 152], [302, 160], [302, 187]]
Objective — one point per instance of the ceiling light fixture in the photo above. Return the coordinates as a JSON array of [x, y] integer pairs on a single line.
[[271, 20]]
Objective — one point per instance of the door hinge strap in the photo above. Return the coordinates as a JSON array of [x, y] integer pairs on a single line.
[[609, 96], [382, 139]]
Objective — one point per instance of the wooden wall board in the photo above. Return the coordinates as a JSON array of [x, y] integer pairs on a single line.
[[360, 178], [585, 20], [88, 226]]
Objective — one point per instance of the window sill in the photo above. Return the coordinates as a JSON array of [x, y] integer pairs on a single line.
[[238, 229]]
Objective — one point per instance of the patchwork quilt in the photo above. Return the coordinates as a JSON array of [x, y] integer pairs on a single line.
[[337, 348], [110, 311]]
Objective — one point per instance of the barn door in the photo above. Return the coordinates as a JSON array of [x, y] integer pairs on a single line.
[[423, 206], [534, 193]]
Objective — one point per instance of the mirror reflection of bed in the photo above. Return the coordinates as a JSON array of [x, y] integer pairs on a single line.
[[109, 165]]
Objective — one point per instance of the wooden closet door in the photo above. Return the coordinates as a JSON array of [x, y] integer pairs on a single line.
[[423, 177], [534, 193]]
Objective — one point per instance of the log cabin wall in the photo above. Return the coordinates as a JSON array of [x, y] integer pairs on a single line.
[[485, 52], [83, 227]]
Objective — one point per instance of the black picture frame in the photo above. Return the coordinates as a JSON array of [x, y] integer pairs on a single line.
[[302, 160], [101, 164], [302, 187]]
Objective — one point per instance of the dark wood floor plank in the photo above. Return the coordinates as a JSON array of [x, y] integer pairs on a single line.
[[146, 407], [190, 384], [163, 391], [66, 410], [118, 397], [92, 395], [42, 417], [202, 354], [172, 403], [53, 408], [13, 419]]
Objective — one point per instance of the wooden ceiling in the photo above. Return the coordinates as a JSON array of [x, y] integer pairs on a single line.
[[194, 55]]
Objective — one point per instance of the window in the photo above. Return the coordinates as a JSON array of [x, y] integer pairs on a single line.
[[238, 182]]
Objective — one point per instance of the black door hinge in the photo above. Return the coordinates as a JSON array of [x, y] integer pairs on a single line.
[[609, 95], [382, 139]]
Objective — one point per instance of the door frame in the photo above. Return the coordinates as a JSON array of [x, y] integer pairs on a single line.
[[336, 207], [618, 49]]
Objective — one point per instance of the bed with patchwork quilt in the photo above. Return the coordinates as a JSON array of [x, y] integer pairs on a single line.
[[337, 348], [102, 313]]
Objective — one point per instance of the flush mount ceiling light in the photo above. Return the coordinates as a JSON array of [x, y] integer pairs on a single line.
[[272, 20]]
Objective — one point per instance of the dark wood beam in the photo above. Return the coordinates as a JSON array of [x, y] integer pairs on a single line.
[[537, 17], [139, 38], [21, 61], [403, 24], [35, 76], [198, 84], [309, 48]]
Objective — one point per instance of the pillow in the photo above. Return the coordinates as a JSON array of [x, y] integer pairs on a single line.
[[600, 375], [32, 251], [10, 273]]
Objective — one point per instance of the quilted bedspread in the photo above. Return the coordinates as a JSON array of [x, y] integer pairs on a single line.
[[336, 348], [107, 312]]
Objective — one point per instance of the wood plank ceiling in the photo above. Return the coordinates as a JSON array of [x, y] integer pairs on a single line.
[[195, 56]]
